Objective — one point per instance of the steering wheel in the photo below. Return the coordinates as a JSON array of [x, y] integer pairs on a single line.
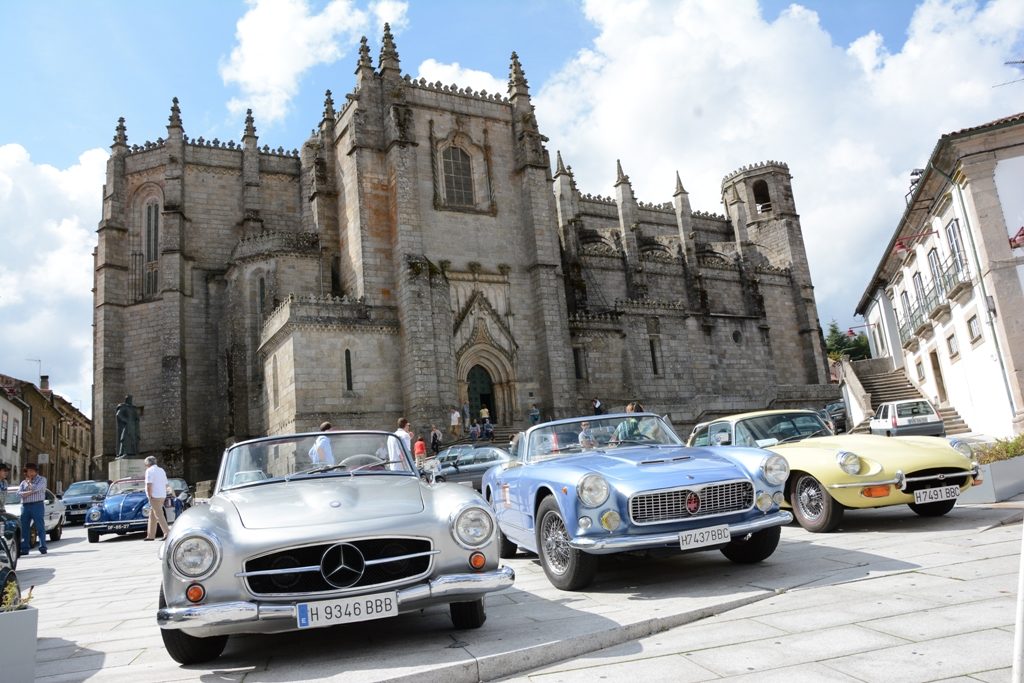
[[361, 460]]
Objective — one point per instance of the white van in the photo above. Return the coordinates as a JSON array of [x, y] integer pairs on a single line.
[[912, 417]]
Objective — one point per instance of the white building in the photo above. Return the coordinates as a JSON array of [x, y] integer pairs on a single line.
[[946, 302]]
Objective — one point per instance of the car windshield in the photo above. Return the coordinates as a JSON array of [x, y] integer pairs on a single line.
[[12, 498], [177, 484], [86, 488], [130, 486], [914, 408], [576, 436], [327, 454], [785, 427]]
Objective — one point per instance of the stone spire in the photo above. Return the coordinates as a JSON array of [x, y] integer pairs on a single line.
[[679, 186], [364, 54], [517, 84], [120, 135], [328, 106], [174, 120], [620, 177], [250, 125], [389, 54], [559, 166]]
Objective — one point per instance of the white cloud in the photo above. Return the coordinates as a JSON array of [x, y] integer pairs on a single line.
[[278, 41], [48, 218], [706, 87], [434, 71], [393, 12]]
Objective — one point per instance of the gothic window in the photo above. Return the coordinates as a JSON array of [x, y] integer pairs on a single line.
[[458, 177], [579, 361], [762, 199], [151, 248], [655, 352], [348, 369], [261, 297]]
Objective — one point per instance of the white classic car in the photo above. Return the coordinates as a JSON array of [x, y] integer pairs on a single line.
[[340, 531]]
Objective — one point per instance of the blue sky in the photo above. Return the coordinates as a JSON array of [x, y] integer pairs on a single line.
[[852, 94]]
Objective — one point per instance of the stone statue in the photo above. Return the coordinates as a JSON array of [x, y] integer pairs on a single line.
[[127, 416]]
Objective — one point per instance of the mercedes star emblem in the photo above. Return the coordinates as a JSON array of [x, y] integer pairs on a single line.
[[342, 565]]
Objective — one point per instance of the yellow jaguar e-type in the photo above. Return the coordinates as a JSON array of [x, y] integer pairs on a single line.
[[830, 473]]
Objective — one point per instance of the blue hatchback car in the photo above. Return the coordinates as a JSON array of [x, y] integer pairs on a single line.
[[575, 489], [125, 509]]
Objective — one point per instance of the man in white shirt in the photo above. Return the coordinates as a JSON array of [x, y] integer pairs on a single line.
[[156, 491], [405, 437], [320, 453]]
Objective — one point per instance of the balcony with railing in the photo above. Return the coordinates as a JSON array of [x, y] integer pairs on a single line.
[[956, 279]]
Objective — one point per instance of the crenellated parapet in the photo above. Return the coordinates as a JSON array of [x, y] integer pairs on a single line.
[[759, 166], [266, 244], [454, 89]]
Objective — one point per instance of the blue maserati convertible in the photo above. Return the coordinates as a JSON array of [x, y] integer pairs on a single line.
[[578, 488], [125, 509]]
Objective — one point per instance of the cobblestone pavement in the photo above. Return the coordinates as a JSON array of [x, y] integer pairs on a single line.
[[892, 596]]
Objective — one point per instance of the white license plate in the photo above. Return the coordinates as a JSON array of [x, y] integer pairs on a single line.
[[936, 495], [120, 527], [345, 610], [712, 535], [918, 420]]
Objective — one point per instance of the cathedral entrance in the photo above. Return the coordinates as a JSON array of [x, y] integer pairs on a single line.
[[481, 392]]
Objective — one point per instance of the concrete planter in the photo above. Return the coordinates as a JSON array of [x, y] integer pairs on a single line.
[[1002, 480], [18, 631]]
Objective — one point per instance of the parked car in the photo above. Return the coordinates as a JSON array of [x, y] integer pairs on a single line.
[[578, 488], [912, 417], [182, 491], [12, 534], [830, 474], [468, 466], [53, 515], [8, 578], [311, 545], [81, 496], [125, 510], [837, 413]]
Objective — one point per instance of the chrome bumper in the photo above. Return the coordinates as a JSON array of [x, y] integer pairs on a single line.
[[615, 544], [901, 481], [445, 588]]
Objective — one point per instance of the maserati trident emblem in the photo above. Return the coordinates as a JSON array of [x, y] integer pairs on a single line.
[[692, 503], [342, 565]]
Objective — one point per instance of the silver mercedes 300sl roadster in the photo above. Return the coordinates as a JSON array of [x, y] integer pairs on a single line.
[[314, 530]]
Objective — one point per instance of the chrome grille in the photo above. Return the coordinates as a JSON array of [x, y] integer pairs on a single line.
[[656, 507], [296, 571]]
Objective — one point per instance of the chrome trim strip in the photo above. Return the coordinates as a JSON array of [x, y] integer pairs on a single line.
[[437, 590], [398, 558], [614, 544], [901, 481], [274, 572]]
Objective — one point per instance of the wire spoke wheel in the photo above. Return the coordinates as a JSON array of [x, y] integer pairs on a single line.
[[813, 507], [810, 498], [556, 543]]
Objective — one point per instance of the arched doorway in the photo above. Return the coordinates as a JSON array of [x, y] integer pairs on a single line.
[[481, 392]]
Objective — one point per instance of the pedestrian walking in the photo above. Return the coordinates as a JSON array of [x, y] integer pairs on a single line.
[[474, 431], [395, 446], [598, 406], [435, 439], [156, 491], [32, 490], [488, 431], [456, 423], [419, 451], [485, 414], [320, 453], [534, 414]]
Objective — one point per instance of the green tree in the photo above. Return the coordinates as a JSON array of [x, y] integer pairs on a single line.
[[839, 343]]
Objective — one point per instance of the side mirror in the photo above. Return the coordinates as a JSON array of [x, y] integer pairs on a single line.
[[60, 496], [723, 439]]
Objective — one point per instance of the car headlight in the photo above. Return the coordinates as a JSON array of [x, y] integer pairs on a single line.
[[95, 514], [848, 462], [775, 469], [145, 510], [962, 448], [473, 527], [194, 556], [593, 490]]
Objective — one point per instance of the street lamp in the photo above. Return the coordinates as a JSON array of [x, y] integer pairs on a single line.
[[902, 245]]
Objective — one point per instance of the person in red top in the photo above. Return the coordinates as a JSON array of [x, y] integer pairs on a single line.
[[419, 450]]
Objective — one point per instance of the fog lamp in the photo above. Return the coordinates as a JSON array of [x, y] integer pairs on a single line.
[[875, 491], [585, 523], [611, 520], [477, 561], [195, 592], [779, 497], [764, 501]]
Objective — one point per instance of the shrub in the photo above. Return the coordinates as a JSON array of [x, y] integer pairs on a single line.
[[1001, 449]]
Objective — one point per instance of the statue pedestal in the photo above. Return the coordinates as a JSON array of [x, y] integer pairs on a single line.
[[125, 468]]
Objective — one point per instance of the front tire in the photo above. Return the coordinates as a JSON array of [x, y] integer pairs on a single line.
[[186, 649], [55, 532], [566, 567], [757, 547], [936, 509], [94, 536], [813, 507], [467, 615]]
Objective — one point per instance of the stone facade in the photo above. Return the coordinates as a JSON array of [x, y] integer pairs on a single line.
[[418, 252]]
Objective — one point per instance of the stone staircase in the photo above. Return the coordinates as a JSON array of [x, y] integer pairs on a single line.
[[894, 386]]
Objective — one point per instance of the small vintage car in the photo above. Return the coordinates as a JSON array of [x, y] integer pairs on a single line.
[[468, 466], [81, 496], [830, 474], [125, 510], [578, 488], [337, 528]]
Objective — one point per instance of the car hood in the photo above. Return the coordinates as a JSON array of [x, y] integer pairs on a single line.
[[645, 468], [906, 453], [123, 504], [326, 500], [75, 500]]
